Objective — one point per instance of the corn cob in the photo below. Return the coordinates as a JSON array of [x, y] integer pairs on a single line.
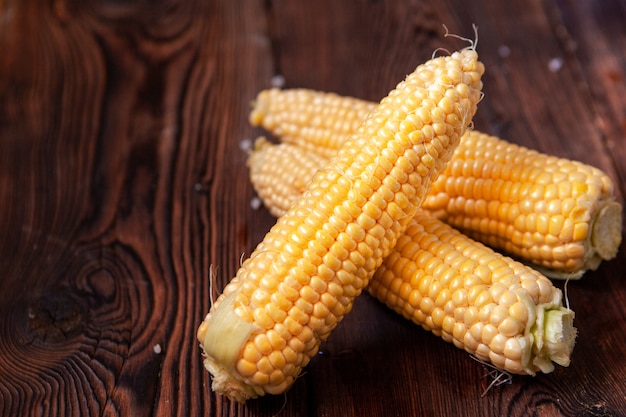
[[493, 307], [558, 215], [280, 173], [316, 121], [302, 278]]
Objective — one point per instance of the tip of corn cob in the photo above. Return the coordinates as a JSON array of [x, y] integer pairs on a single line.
[[554, 337], [218, 351], [602, 242], [606, 231]]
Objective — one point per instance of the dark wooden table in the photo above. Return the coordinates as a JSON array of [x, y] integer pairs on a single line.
[[122, 180]]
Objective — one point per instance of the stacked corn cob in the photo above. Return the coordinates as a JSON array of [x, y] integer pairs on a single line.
[[350, 219], [558, 215], [493, 307], [303, 277]]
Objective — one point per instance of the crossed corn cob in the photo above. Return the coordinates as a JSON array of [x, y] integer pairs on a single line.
[[359, 217]]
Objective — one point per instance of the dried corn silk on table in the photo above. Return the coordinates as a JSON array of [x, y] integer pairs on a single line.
[[127, 205]]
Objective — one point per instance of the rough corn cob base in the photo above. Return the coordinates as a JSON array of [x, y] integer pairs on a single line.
[[495, 308], [303, 277], [559, 215]]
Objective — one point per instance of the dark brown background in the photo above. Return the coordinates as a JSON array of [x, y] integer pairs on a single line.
[[122, 180]]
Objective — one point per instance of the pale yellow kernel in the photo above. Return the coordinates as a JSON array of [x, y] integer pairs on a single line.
[[282, 331], [447, 324], [476, 331], [351, 290], [246, 368], [459, 330], [264, 365], [251, 353], [275, 339], [260, 379], [488, 333], [434, 289], [575, 251], [442, 298], [346, 242], [290, 355], [324, 238], [320, 310], [498, 343], [459, 297], [277, 379], [331, 261], [293, 250], [345, 278], [307, 335], [438, 315], [507, 299], [483, 352], [260, 297], [306, 266], [498, 314], [314, 251], [318, 284], [415, 299], [262, 318], [497, 359], [325, 272], [581, 231], [277, 359], [262, 344], [335, 289], [308, 294], [497, 289], [276, 313], [519, 311], [482, 300], [356, 232], [401, 200], [405, 291], [510, 327], [427, 305], [377, 232], [292, 326], [280, 300], [363, 253], [298, 315]]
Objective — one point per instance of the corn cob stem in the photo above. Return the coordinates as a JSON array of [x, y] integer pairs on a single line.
[[558, 215], [302, 278]]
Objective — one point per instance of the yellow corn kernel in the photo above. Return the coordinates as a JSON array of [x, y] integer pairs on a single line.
[[559, 215], [374, 159]]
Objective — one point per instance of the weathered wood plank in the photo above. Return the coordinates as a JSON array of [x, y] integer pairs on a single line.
[[120, 132]]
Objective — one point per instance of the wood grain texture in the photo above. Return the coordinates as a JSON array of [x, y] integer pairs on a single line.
[[123, 183]]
